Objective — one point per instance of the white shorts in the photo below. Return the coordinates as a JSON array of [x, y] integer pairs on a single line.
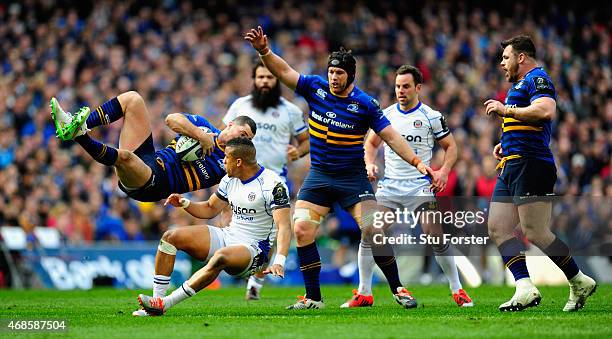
[[219, 238], [408, 194]]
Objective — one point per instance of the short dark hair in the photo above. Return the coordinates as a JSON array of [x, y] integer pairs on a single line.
[[243, 148], [521, 44], [409, 69], [244, 120]]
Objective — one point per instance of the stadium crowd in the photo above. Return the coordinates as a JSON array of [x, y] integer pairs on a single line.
[[184, 58]]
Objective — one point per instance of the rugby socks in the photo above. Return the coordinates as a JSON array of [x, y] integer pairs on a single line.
[[103, 154], [559, 253], [255, 282], [513, 255], [310, 265], [107, 113], [387, 265], [178, 295], [446, 260], [160, 285], [365, 262]]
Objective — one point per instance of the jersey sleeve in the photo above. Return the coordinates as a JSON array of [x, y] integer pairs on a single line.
[[297, 119], [232, 112], [439, 126], [540, 86], [201, 121], [378, 121], [279, 196], [222, 188], [305, 85]]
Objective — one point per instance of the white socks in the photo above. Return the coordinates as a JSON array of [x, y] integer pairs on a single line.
[[178, 295], [160, 285], [255, 282], [365, 262], [446, 261]]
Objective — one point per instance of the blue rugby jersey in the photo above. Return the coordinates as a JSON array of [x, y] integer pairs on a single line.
[[526, 138], [193, 175], [338, 125]]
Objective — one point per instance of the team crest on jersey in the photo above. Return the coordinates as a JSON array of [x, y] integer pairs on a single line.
[[352, 108], [321, 93], [275, 114], [251, 196], [418, 124]]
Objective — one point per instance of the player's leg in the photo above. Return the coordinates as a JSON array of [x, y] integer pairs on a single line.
[[503, 219], [232, 259], [443, 254], [307, 217], [535, 223], [194, 240]]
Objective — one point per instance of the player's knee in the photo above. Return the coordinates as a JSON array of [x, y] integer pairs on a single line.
[[219, 260], [124, 156], [304, 232], [131, 97]]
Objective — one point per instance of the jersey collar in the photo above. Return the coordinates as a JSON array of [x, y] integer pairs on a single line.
[[219, 146], [244, 182], [410, 110]]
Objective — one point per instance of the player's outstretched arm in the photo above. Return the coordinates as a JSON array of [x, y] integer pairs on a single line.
[[179, 123], [400, 146], [282, 219], [204, 209], [371, 145], [273, 62]]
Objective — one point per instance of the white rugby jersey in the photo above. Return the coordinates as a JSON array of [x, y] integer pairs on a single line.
[[252, 202], [421, 127], [275, 128]]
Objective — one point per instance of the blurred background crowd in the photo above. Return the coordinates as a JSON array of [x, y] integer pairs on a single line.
[[191, 57]]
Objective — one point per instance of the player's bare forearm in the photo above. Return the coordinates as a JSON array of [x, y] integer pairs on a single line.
[[180, 124], [398, 144], [206, 209], [283, 223], [303, 147], [449, 146], [371, 145], [541, 109], [281, 69]]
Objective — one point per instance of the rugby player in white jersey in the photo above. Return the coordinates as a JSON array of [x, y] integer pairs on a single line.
[[260, 203], [279, 122], [405, 187]]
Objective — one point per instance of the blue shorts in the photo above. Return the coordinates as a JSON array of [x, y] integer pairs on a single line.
[[157, 187], [324, 189], [525, 180]]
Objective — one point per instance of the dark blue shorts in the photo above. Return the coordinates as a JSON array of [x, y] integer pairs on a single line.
[[157, 187], [346, 189], [525, 180]]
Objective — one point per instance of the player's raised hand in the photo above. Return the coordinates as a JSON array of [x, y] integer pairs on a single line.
[[258, 39], [498, 152], [292, 153], [372, 171], [275, 269], [174, 199], [208, 143], [496, 107]]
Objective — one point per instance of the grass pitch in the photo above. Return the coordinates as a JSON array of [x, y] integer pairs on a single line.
[[106, 313]]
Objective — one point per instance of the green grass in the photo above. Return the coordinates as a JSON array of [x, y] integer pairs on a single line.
[[106, 313]]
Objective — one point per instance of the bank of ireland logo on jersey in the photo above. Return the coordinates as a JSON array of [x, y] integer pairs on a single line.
[[418, 124], [331, 115], [251, 196]]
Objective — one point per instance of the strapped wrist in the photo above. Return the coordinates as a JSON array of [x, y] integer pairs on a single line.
[[265, 51], [415, 161], [279, 259], [185, 202]]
